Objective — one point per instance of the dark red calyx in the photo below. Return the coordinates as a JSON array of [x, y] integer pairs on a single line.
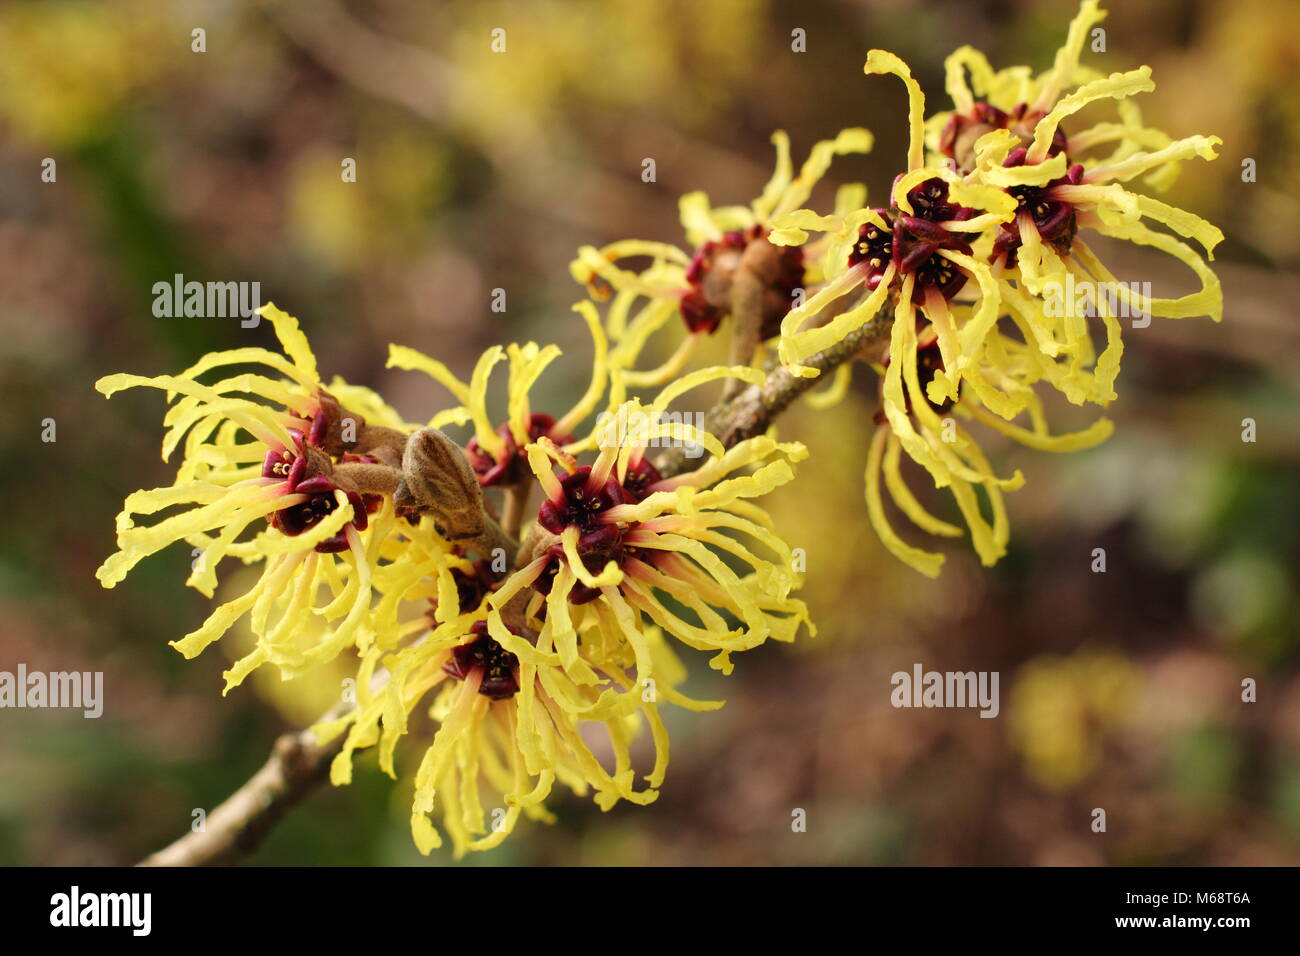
[[321, 501], [472, 586], [580, 506], [325, 429], [1022, 121], [286, 464], [640, 476], [707, 256], [1055, 219], [707, 302], [957, 141], [596, 550], [918, 238], [499, 667], [875, 247], [599, 542], [929, 361], [512, 468]]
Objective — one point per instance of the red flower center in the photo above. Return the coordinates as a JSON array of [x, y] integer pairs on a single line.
[[957, 141], [291, 467], [929, 360], [512, 467], [913, 242], [1053, 218], [582, 507], [499, 667], [708, 300]]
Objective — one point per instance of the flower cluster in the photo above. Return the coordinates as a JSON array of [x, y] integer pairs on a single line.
[[979, 257], [516, 637], [527, 595], [619, 560]]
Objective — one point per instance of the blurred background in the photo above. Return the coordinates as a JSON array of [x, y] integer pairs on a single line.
[[479, 170]]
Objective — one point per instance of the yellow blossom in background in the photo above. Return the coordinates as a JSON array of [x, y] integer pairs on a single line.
[[325, 220], [1063, 708], [86, 56], [512, 82]]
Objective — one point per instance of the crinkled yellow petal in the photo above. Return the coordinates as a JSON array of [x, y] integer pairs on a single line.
[[928, 563], [882, 61], [1115, 86], [292, 339], [1067, 57]]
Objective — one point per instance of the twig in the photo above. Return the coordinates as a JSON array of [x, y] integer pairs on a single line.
[[752, 411], [297, 765], [516, 505]]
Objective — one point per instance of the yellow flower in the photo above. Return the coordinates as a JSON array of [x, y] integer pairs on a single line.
[[496, 453], [510, 711], [617, 546], [88, 57], [510, 727], [347, 516], [515, 666], [1006, 133], [277, 470], [731, 270], [984, 228], [1062, 708], [931, 436], [926, 248]]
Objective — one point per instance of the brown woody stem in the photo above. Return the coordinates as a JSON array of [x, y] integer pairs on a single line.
[[752, 411], [297, 765]]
